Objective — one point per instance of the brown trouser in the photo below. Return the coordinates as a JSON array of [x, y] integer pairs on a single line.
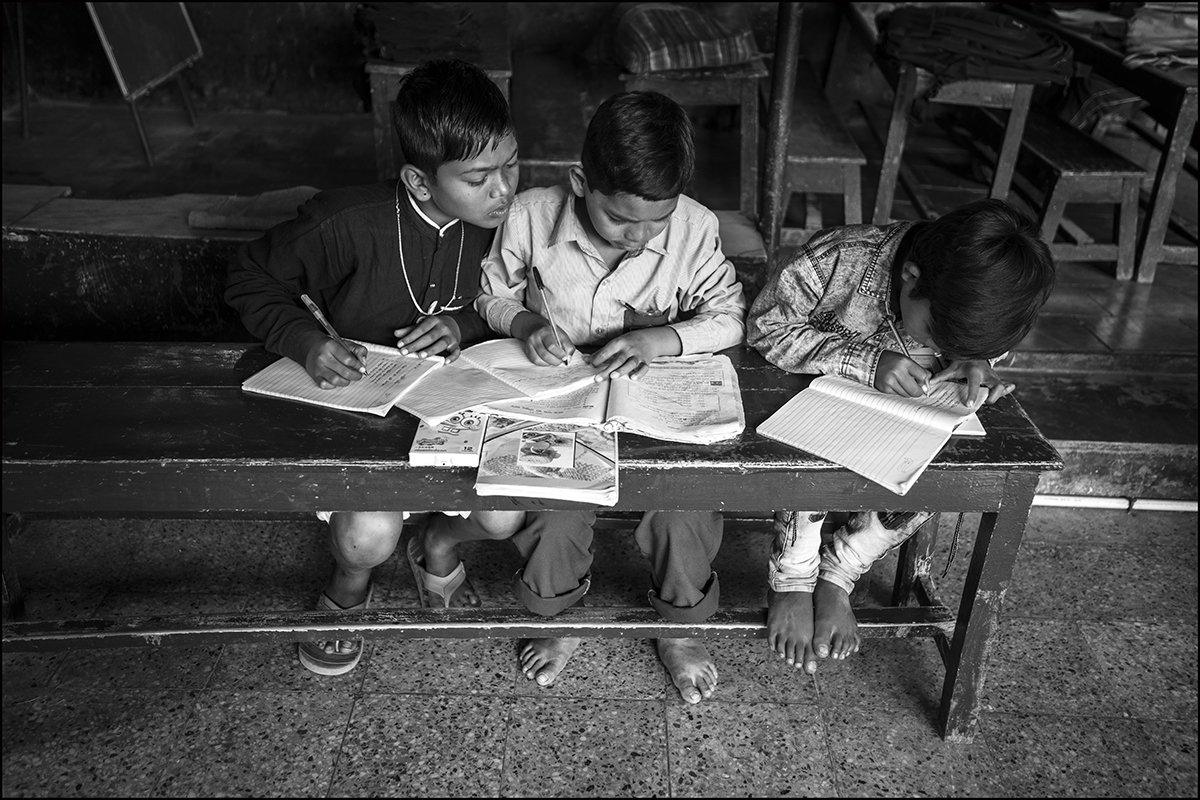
[[680, 545]]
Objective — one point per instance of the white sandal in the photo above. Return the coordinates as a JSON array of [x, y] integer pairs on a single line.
[[317, 659], [441, 587]]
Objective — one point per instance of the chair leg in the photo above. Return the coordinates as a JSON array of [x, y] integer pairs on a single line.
[[852, 194], [906, 90], [1126, 229], [1052, 212]]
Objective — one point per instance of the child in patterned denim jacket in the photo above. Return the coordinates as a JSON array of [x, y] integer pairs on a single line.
[[896, 307]]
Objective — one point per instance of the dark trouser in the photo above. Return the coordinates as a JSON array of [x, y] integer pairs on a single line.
[[680, 546]]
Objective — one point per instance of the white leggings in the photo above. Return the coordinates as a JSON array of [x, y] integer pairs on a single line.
[[798, 558]]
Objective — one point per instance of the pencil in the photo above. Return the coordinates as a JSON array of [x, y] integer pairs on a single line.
[[541, 287], [904, 347], [316, 312]]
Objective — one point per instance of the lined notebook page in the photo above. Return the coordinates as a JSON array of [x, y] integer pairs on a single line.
[[506, 360], [451, 389], [882, 442], [390, 375]]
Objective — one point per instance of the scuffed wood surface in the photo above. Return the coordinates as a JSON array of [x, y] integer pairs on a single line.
[[145, 427]]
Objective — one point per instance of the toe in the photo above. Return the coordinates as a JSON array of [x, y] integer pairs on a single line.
[[690, 693], [791, 653], [810, 660]]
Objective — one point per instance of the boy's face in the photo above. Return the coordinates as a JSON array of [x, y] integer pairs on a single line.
[[624, 221], [478, 190], [915, 310]]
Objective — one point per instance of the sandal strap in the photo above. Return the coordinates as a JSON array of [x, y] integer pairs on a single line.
[[445, 587]]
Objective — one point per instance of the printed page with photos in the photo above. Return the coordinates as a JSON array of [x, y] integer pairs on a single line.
[[524, 458], [886, 438]]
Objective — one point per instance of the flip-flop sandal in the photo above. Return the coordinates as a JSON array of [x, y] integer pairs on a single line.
[[429, 586], [315, 658]]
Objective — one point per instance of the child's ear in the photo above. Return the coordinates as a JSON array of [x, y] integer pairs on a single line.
[[416, 181], [579, 184], [910, 273]]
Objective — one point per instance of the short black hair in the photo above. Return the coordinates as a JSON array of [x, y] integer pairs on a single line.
[[448, 110], [986, 274], [639, 143]]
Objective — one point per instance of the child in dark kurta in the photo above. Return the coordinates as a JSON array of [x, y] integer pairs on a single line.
[[396, 262]]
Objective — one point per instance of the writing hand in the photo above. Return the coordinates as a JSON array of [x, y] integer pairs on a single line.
[[899, 374], [331, 365], [537, 337]]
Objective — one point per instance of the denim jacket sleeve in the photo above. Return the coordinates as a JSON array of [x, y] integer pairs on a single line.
[[782, 327]]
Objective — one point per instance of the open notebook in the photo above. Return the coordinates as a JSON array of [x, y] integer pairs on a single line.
[[389, 376], [683, 399], [522, 458], [490, 372], [886, 438]]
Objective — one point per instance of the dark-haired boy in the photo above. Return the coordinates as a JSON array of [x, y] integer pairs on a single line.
[[958, 292], [633, 265], [398, 262]]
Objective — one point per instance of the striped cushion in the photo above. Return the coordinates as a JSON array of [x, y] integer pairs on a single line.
[[651, 37]]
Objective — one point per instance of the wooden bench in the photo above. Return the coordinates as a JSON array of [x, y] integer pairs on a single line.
[[822, 157], [131, 431], [1080, 169], [117, 270]]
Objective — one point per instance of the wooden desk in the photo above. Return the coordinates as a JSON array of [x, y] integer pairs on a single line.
[[909, 82], [1171, 95], [474, 32], [124, 430]]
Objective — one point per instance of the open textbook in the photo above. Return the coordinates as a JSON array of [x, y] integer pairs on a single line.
[[522, 458], [490, 372], [683, 399], [390, 374], [884, 437]]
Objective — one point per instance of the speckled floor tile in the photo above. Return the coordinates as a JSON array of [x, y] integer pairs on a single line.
[[748, 672], [883, 673], [441, 666], [626, 669], [741, 564], [275, 667], [596, 748], [897, 752], [1055, 756], [1091, 527], [407, 745], [91, 743], [748, 749], [27, 675], [1044, 666], [1099, 584], [620, 574], [279, 744], [180, 555], [149, 667], [1151, 667]]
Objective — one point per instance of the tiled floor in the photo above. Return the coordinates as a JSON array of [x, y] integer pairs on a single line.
[[1091, 689]]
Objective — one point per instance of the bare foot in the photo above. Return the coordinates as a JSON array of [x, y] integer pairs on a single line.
[[835, 633], [441, 557], [690, 667], [790, 628], [543, 659]]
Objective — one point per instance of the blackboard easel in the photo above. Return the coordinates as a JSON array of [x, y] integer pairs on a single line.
[[147, 44]]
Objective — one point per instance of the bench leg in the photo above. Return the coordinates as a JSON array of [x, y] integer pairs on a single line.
[[987, 582], [852, 194], [1052, 212], [906, 90], [1125, 234], [1170, 164], [1012, 141], [916, 558], [14, 597]]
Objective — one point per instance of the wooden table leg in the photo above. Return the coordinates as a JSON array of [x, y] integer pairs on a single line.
[[987, 582], [906, 90], [1012, 140], [915, 559], [1169, 166], [1125, 231], [14, 597]]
